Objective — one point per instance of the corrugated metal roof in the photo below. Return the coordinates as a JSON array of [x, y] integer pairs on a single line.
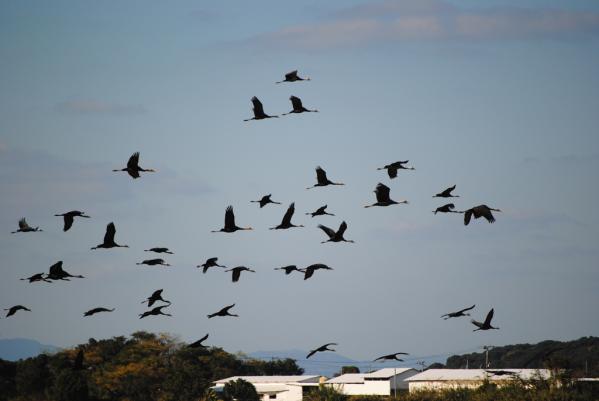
[[478, 374], [272, 379], [386, 373], [348, 378]]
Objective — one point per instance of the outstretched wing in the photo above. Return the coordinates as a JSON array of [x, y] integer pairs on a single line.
[[467, 309], [291, 76], [489, 317], [467, 216], [311, 353], [236, 275], [447, 192], [23, 224], [296, 102], [321, 209], [110, 232], [476, 323], [229, 218], [321, 175], [392, 171], [342, 228], [68, 221], [258, 108], [226, 308], [486, 213], [450, 206], [308, 272], [288, 215], [133, 162], [56, 268], [328, 231], [382, 192]]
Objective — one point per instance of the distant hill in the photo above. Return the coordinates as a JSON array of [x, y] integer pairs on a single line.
[[581, 356], [13, 349], [330, 363]]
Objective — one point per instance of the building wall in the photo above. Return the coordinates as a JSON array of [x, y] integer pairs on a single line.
[[375, 387], [294, 393]]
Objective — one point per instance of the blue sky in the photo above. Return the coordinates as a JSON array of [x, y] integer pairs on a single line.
[[501, 100]]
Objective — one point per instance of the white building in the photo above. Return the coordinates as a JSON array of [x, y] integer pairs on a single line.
[[382, 382], [281, 388], [438, 379]]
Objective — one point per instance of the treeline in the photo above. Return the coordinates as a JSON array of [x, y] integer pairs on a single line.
[[580, 357], [142, 367]]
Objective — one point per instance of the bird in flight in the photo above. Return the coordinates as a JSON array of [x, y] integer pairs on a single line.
[[322, 180], [335, 236], [391, 357], [155, 297], [36, 277], [69, 217], [97, 310], [109, 239], [265, 200], [393, 167], [298, 107], [286, 222], [154, 262], [133, 168], [321, 211], [198, 344], [237, 272], [155, 312], [458, 313], [159, 250], [259, 113], [211, 262], [447, 208], [480, 211], [292, 77], [56, 272], [223, 312], [287, 269], [382, 196], [322, 348], [25, 228], [446, 193], [14, 309], [230, 226], [309, 271], [486, 325]]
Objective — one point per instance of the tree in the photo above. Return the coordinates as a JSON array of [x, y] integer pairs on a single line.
[[240, 390], [350, 369], [70, 385]]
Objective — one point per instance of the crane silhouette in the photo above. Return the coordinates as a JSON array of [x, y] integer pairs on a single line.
[[237, 272], [36, 277], [286, 222], [230, 226], [391, 357], [292, 77], [223, 312], [287, 269], [97, 310], [154, 262], [309, 271], [458, 313], [69, 217], [298, 107], [159, 250], [133, 168], [322, 348], [480, 211], [265, 200], [393, 167], [155, 312], [382, 196], [486, 325], [259, 113], [446, 193], [109, 239], [155, 297], [25, 228], [335, 236], [447, 208], [211, 262], [322, 180], [198, 344], [14, 309], [56, 272], [320, 212]]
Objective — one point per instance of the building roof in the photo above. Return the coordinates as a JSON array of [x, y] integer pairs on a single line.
[[272, 379], [478, 374], [386, 373], [348, 378]]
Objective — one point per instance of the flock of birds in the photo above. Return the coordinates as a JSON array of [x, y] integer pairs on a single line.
[[383, 199]]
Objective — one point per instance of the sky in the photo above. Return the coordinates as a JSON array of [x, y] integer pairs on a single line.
[[499, 99]]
